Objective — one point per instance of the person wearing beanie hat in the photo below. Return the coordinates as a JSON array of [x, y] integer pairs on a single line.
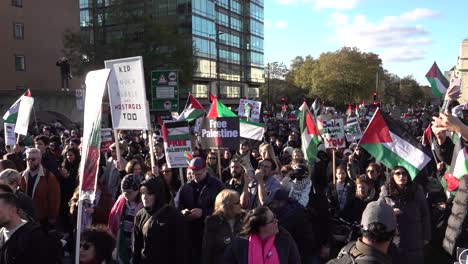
[[378, 226], [160, 232], [196, 200], [122, 216]]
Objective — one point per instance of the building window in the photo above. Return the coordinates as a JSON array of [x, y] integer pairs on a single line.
[[18, 30], [20, 63], [229, 91], [17, 3], [200, 90]]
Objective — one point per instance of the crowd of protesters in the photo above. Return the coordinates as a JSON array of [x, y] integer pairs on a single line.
[[261, 203]]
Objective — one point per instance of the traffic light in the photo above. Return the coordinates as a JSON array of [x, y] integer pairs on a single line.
[[283, 99], [375, 97]]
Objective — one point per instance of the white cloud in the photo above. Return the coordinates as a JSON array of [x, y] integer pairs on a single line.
[[281, 24], [339, 18], [324, 4], [396, 38]]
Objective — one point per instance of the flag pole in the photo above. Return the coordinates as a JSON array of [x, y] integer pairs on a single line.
[[150, 139], [78, 228], [219, 165], [334, 166], [117, 146], [181, 175]]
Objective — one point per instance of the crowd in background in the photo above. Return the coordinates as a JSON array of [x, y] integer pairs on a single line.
[[257, 198]]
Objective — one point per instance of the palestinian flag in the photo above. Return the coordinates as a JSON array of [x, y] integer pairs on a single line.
[[458, 167], [252, 132], [426, 137], [391, 144], [356, 112], [218, 109], [349, 111], [12, 114], [192, 110], [437, 80], [310, 135], [316, 106]]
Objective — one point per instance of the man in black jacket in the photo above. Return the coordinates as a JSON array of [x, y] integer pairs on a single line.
[[22, 241], [195, 200]]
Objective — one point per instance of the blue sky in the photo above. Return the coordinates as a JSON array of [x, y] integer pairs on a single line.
[[408, 35]]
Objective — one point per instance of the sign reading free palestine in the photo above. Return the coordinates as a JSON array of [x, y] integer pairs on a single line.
[[219, 133]]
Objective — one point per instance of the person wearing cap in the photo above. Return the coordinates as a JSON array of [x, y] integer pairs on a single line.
[[410, 206], [122, 216], [378, 226], [196, 200], [160, 232]]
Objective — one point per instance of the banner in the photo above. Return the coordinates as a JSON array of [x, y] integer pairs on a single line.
[[219, 133], [250, 109], [24, 112], [95, 86], [127, 93], [333, 133], [352, 129], [176, 136], [10, 139]]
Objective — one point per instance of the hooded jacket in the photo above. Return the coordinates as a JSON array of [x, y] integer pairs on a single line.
[[160, 231]]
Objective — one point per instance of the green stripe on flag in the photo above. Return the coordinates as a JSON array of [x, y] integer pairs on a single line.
[[389, 158]]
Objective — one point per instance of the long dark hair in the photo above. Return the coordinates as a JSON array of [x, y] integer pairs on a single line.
[[408, 192], [103, 241], [254, 219], [72, 168]]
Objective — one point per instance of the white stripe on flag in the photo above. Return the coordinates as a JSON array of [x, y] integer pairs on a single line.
[[251, 131], [408, 152]]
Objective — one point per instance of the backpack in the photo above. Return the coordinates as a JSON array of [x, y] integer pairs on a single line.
[[345, 256]]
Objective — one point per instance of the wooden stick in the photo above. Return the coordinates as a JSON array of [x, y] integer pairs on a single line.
[[117, 145], [219, 164], [181, 175], [334, 166]]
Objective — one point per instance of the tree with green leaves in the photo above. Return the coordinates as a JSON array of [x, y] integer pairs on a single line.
[[410, 91]]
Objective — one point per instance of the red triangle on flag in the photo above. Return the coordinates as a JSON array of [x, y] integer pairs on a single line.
[[377, 131], [27, 93]]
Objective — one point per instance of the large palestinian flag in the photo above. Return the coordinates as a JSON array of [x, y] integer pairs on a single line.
[[439, 83], [389, 143], [219, 109]]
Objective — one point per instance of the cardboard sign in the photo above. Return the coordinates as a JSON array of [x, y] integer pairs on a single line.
[[127, 94], [250, 109], [10, 138], [106, 139], [176, 136], [220, 133], [333, 134], [352, 129]]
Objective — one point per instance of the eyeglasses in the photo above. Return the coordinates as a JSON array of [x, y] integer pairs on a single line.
[[371, 171], [212, 158], [274, 220], [400, 173], [85, 246]]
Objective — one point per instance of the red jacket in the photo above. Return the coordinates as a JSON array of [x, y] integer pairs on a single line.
[[45, 195]]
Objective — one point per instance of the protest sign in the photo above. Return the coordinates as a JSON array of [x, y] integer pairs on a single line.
[[10, 138], [250, 109], [127, 93], [176, 136], [219, 133], [106, 139], [352, 129], [332, 132]]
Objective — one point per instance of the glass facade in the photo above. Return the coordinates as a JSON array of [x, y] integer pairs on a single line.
[[227, 38], [234, 30]]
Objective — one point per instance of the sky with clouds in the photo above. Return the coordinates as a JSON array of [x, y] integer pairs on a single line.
[[408, 35]]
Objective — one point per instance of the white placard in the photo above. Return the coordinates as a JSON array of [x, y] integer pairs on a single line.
[[127, 93], [22, 122], [255, 108], [333, 133], [10, 139]]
